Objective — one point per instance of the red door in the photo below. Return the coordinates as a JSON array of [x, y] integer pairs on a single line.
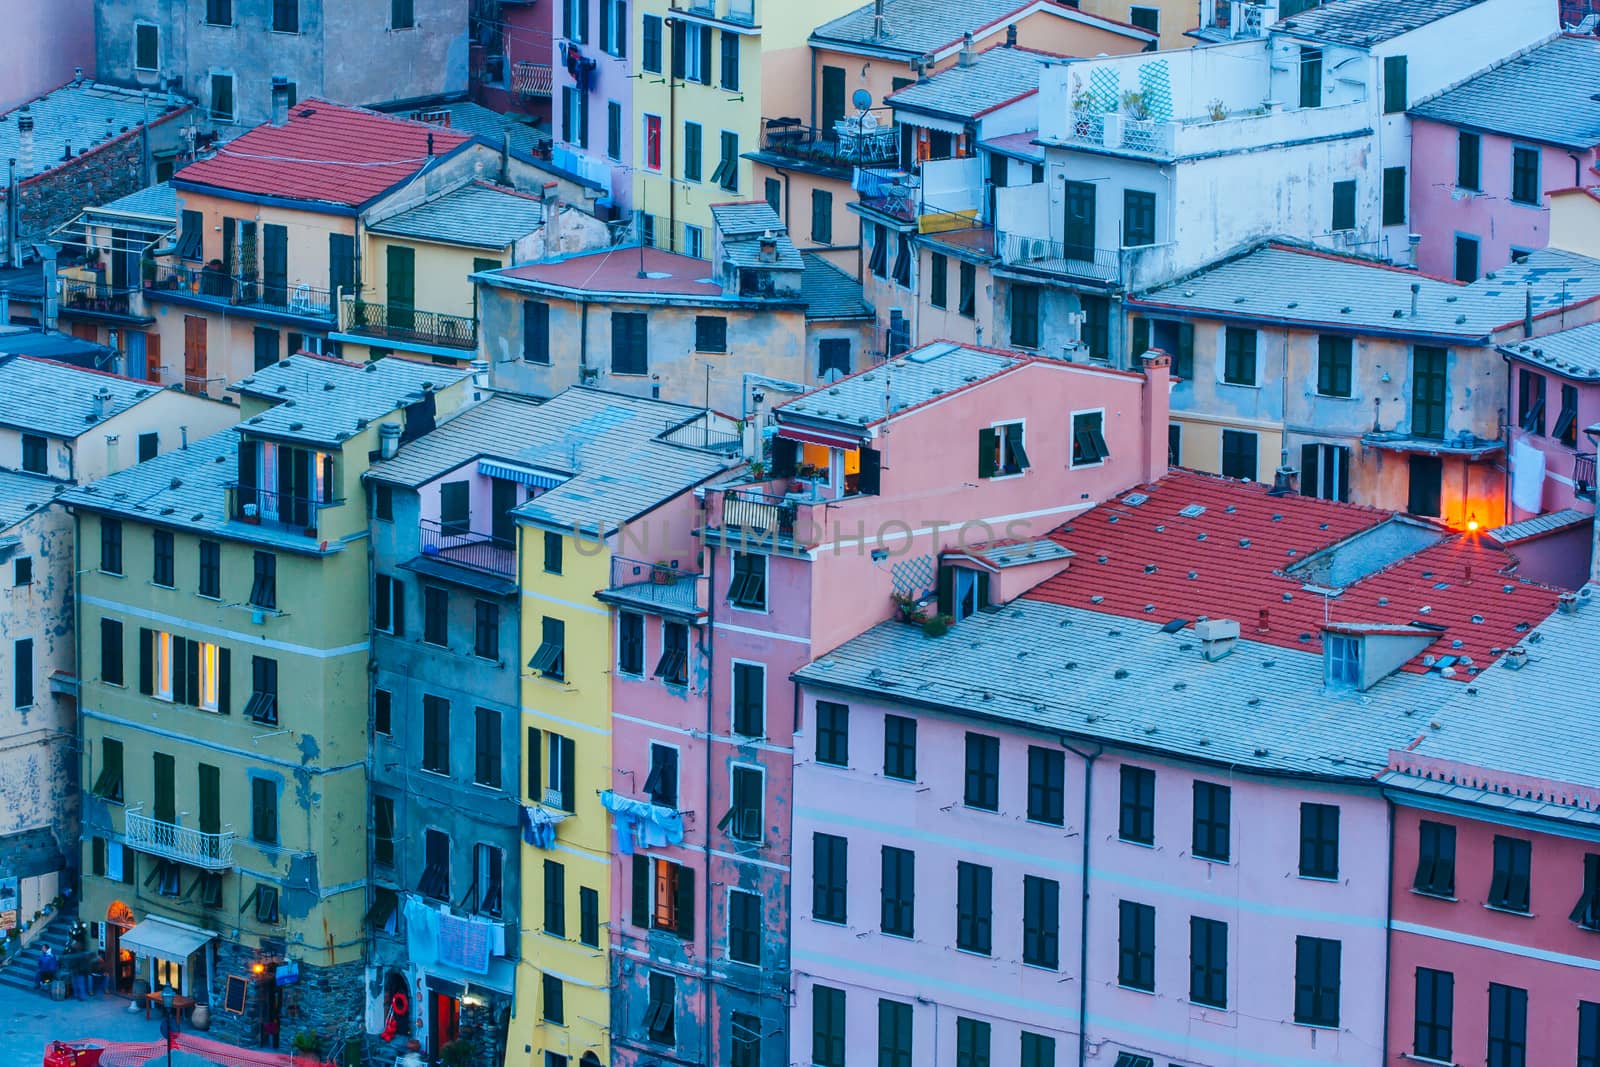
[[194, 353]]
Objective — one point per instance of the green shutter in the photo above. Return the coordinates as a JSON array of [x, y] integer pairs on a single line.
[[1141, 335], [210, 799], [947, 590], [986, 445], [641, 891], [165, 801], [147, 665], [685, 902], [535, 766], [568, 772], [1185, 357], [224, 681]]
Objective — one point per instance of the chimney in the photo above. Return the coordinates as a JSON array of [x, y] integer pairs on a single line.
[[1261, 624], [1413, 240], [1527, 311], [480, 377], [52, 293], [430, 144], [1217, 638], [280, 100], [1283, 478], [769, 247], [550, 194], [25, 142], [1416, 293], [389, 439], [965, 57], [1011, 35], [183, 438], [111, 452], [1155, 413], [66, 151], [878, 27], [924, 67], [97, 404]]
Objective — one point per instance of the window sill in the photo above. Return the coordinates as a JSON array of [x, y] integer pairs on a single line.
[[902, 781], [899, 937], [1138, 844], [1414, 1058], [1031, 821], [1241, 385], [1318, 1026], [1433, 896], [1136, 989], [1333, 396], [1086, 466], [1509, 911], [978, 808], [1326, 879], [840, 924], [208, 596], [1212, 859]]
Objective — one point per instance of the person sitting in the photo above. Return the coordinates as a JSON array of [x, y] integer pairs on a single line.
[[48, 965]]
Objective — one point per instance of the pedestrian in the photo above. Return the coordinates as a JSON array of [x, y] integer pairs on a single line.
[[269, 1031], [48, 965]]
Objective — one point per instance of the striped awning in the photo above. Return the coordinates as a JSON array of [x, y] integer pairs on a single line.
[[511, 472], [819, 437]]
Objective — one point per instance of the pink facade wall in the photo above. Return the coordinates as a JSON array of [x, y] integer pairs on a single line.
[[1439, 210], [525, 36], [608, 82], [1543, 952], [51, 38], [1259, 895], [1558, 490]]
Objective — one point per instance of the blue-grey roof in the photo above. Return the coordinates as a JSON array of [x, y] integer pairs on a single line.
[[80, 116], [1126, 682], [477, 214], [1293, 286], [1573, 353], [158, 201], [917, 377], [1545, 94], [1548, 523], [829, 292], [918, 27], [743, 225], [995, 77], [1363, 23], [23, 494], [50, 398], [492, 429], [1022, 553], [328, 401], [479, 121]]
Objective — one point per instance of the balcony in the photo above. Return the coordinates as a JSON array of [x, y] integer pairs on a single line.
[[759, 515], [465, 548], [95, 298], [405, 325], [181, 844], [1583, 483], [211, 285], [1055, 257], [835, 150], [531, 81], [269, 508], [656, 587], [1122, 133]]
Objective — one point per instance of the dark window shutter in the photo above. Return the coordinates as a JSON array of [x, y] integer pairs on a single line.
[[679, 29], [568, 786], [622, 29], [986, 445], [1310, 456], [224, 681], [1344, 474], [1141, 336], [397, 606], [247, 472], [583, 20], [147, 655], [535, 765], [947, 590], [705, 55], [685, 902], [869, 482], [605, 22], [641, 890], [1185, 354], [785, 457]]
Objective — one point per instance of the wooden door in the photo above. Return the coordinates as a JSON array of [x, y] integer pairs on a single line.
[[402, 286], [1080, 220], [275, 263], [194, 353], [152, 356]]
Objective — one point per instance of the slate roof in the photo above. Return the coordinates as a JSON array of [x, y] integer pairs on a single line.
[[59, 347], [935, 370], [325, 153], [1282, 283], [46, 397], [742, 226], [1538, 526], [1363, 23], [22, 495], [1124, 681], [1545, 94], [917, 27], [1022, 553], [829, 292], [1148, 560], [158, 201], [477, 214], [603, 445], [82, 116], [1573, 353], [475, 120], [996, 77], [326, 401]]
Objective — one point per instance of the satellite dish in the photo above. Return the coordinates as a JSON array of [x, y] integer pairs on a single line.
[[862, 100]]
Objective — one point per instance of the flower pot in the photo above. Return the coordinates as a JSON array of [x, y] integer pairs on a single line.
[[141, 986], [200, 1017]]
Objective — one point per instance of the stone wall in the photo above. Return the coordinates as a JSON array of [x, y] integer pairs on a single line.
[[326, 1000]]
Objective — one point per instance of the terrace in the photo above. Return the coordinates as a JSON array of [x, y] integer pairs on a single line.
[[406, 325], [211, 286]]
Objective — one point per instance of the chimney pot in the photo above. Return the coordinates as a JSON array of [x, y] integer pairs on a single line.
[[1011, 35], [1416, 294], [1261, 626], [965, 57]]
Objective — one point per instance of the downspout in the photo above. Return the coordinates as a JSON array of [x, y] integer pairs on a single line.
[[1388, 931], [1083, 911], [583, 339], [1505, 438], [711, 687], [678, 26]]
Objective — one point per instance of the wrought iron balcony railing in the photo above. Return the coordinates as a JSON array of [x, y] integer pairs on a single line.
[[396, 322], [1583, 484], [467, 548], [268, 507], [213, 283], [758, 513], [183, 844], [79, 295]]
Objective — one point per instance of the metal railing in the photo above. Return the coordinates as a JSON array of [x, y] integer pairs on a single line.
[[848, 142], [268, 507], [1056, 257], [532, 81], [1583, 475], [1109, 129], [468, 548], [80, 295], [395, 322], [212, 283], [747, 509], [209, 852]]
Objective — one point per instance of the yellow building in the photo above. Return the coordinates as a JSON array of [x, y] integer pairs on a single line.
[[1575, 220], [600, 463]]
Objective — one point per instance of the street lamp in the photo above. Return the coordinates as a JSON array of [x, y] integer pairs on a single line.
[[167, 996]]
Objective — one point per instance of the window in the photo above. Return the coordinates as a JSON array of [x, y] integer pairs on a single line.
[[109, 784], [435, 734], [899, 892], [749, 699], [691, 52], [34, 454], [1466, 259], [630, 344], [435, 881], [673, 666], [727, 172], [149, 446], [402, 14], [1508, 889], [829, 872], [972, 1042], [1325, 471], [833, 733], [1434, 1015], [1530, 401], [660, 1013], [1041, 922], [1426, 485], [1344, 205], [210, 583], [1239, 356], [652, 145], [692, 151], [1136, 821], [821, 216], [560, 789], [1146, 18], [827, 1026], [264, 585], [22, 571], [710, 333], [1586, 913], [455, 508], [613, 130], [1088, 439], [1316, 981], [1525, 175], [552, 552], [161, 568], [663, 896], [630, 643], [388, 606], [554, 1009], [1239, 454], [266, 901], [650, 53], [938, 279], [744, 1030], [730, 61], [536, 332], [1213, 821], [878, 262], [1047, 773], [744, 818], [1394, 85], [974, 908], [263, 704], [264, 810], [555, 899], [1468, 156], [1319, 841], [486, 748], [983, 772], [614, 27], [894, 1034], [486, 630], [900, 748], [1208, 962], [1136, 946], [1429, 386], [146, 47], [1039, 1050], [182, 671], [967, 307], [744, 927], [1001, 452], [589, 916], [382, 712], [1508, 1026], [1025, 316], [694, 241], [1566, 428], [435, 616], [833, 356], [1310, 77], [22, 668], [383, 830], [1436, 860], [1588, 1034], [111, 671], [286, 16], [661, 784], [549, 659], [1334, 359], [1138, 217], [1394, 196], [222, 97]]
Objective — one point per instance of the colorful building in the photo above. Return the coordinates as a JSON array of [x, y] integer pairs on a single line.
[[224, 709], [1552, 411], [510, 59], [1481, 170], [608, 474], [591, 58]]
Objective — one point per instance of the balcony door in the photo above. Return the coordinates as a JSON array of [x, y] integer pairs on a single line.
[[1428, 390], [165, 806], [502, 498], [832, 100], [1080, 213], [194, 353], [123, 243], [275, 263], [402, 286]]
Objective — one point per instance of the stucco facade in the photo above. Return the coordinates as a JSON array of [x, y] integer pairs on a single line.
[[61, 37]]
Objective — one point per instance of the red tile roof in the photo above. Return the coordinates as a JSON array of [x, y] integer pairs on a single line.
[[617, 271], [1228, 563], [326, 152]]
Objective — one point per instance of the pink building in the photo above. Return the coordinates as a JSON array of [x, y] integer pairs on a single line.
[[1193, 708], [1554, 421], [54, 36], [1495, 950], [511, 68], [591, 104], [1485, 153]]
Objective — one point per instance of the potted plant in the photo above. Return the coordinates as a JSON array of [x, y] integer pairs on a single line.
[[308, 1041], [457, 1053], [937, 625], [661, 572], [1217, 110], [1135, 105]]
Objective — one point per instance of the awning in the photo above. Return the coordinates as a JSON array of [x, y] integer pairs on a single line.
[[819, 437], [526, 475], [165, 940]]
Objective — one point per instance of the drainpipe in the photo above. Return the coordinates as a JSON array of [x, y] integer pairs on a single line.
[[1083, 911], [711, 688], [583, 339], [671, 138], [1388, 934]]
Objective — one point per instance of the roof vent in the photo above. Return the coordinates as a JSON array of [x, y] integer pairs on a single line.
[[1193, 511], [1516, 659], [1217, 637]]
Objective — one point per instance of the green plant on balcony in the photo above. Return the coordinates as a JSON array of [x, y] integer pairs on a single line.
[[1135, 105], [457, 1053], [307, 1041]]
